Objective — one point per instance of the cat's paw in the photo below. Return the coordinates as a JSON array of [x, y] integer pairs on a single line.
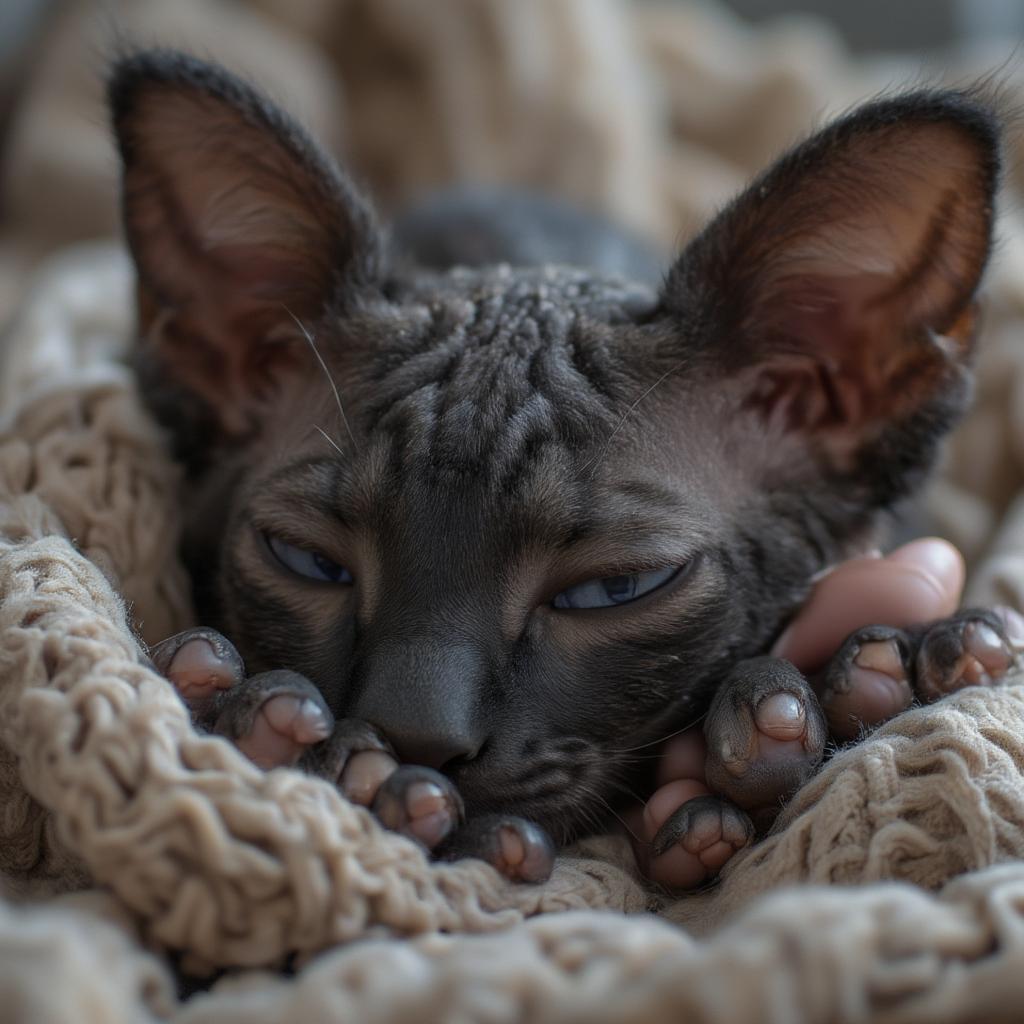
[[280, 719], [424, 805], [273, 717], [705, 833], [970, 649], [420, 803], [516, 848], [879, 671], [203, 665], [763, 738], [355, 757], [765, 734]]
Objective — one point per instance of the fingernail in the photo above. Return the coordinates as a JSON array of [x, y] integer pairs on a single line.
[[936, 557]]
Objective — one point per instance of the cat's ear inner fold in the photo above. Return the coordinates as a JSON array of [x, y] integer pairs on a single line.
[[238, 224], [837, 293]]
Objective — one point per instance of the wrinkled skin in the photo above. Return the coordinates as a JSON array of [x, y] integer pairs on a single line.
[[512, 526]]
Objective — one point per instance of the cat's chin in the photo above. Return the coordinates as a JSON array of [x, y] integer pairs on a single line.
[[566, 807]]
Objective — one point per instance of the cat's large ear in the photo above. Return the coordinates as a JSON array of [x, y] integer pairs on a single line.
[[835, 297], [238, 224]]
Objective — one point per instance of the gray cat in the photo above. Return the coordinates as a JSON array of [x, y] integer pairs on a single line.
[[512, 520]]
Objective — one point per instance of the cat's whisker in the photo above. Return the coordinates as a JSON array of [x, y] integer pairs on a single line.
[[622, 787], [327, 373], [592, 817], [663, 739], [330, 440], [618, 817], [641, 758], [598, 458]]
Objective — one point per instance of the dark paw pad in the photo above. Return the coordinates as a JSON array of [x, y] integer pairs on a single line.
[[710, 829], [868, 681], [971, 649], [274, 717], [518, 849], [765, 733], [420, 803]]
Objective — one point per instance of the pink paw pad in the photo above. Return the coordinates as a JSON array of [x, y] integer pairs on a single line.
[[199, 672], [364, 774], [877, 686], [419, 803], [524, 853], [986, 656], [282, 729]]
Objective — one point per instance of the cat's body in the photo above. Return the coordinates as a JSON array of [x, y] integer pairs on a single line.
[[524, 519]]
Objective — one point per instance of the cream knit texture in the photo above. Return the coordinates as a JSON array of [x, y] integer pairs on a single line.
[[891, 888], [190, 849]]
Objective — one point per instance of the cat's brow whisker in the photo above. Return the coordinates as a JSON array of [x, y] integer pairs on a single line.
[[330, 380], [597, 459], [330, 440]]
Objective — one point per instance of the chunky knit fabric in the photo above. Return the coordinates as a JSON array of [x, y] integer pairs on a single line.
[[890, 890], [173, 841]]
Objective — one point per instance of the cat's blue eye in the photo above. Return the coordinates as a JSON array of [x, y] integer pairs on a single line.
[[614, 590], [310, 564]]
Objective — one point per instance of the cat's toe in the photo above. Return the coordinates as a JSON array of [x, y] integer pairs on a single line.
[[355, 757], [765, 735], [274, 717], [202, 665], [420, 803], [364, 774], [704, 833], [868, 681], [969, 649], [516, 848]]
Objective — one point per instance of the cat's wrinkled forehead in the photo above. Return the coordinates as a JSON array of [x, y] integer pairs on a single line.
[[504, 291], [486, 367]]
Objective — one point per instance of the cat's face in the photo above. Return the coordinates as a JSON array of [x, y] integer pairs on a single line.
[[523, 520], [483, 486]]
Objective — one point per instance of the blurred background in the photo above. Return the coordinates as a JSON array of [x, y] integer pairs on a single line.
[[904, 24], [654, 112]]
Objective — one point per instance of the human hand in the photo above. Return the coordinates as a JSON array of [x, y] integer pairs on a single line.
[[920, 582]]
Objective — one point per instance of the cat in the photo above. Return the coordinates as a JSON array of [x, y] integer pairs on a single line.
[[520, 517]]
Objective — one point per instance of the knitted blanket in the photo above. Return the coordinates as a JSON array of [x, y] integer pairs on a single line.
[[132, 847], [124, 833]]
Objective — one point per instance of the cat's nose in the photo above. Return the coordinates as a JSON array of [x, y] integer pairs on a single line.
[[425, 698], [433, 751]]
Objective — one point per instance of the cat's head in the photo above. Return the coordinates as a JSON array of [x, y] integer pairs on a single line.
[[522, 519]]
